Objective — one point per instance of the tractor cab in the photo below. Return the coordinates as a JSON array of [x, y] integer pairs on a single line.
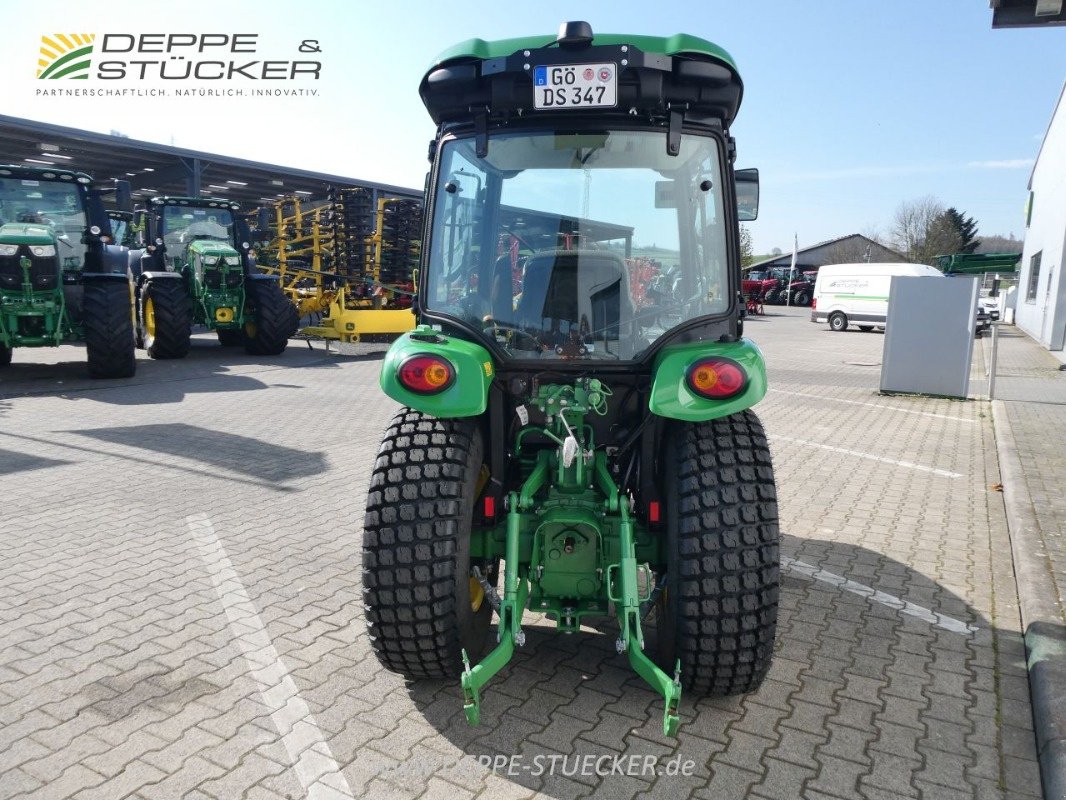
[[205, 239], [123, 229], [570, 175], [50, 215], [577, 394]]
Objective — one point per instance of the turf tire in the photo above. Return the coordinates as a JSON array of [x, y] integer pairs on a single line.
[[719, 615], [416, 547]]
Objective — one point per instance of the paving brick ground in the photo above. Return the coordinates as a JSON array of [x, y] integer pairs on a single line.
[[140, 657]]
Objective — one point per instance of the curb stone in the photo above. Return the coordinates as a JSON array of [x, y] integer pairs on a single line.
[[1045, 635]]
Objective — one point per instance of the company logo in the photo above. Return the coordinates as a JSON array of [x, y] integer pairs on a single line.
[[65, 55]]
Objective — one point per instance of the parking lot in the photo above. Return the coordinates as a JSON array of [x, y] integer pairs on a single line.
[[181, 616]]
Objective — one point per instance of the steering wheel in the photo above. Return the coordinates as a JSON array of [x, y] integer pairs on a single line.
[[520, 239], [492, 325]]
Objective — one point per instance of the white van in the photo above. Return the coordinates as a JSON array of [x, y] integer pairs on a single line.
[[858, 293]]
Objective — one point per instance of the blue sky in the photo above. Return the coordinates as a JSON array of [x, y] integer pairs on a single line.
[[850, 108]]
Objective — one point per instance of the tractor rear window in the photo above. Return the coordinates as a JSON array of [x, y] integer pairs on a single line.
[[578, 245]]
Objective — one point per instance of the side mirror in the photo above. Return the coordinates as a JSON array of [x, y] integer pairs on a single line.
[[244, 235], [123, 196], [747, 181]]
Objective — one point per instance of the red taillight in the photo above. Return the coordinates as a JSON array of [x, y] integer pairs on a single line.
[[426, 374], [653, 511], [490, 506], [814, 304], [716, 378]]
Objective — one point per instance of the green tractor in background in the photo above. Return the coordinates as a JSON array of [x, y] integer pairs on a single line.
[[61, 278], [197, 269], [566, 410]]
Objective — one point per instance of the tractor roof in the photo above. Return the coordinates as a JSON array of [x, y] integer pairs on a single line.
[[655, 74], [44, 173], [678, 44]]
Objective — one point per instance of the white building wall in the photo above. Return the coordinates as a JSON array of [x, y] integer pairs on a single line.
[[1044, 315]]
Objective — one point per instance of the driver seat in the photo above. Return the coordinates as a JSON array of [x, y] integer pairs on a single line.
[[586, 290]]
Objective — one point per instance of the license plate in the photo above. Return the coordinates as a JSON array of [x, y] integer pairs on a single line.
[[575, 86]]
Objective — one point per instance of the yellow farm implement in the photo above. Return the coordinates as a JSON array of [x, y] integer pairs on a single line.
[[331, 261]]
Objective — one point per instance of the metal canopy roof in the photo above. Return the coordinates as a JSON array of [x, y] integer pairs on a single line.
[[1027, 13], [161, 169]]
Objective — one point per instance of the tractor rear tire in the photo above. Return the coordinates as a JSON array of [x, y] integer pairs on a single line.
[[107, 318], [275, 320], [230, 338], [421, 608], [719, 614], [168, 334], [5, 355]]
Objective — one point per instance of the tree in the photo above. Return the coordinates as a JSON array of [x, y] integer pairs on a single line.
[[921, 232], [873, 233], [999, 244], [965, 227], [942, 239], [747, 257]]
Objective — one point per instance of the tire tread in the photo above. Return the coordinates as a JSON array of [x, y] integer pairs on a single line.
[[728, 554], [415, 513], [108, 325]]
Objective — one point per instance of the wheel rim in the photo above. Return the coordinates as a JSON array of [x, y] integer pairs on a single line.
[[477, 594], [250, 329], [149, 317]]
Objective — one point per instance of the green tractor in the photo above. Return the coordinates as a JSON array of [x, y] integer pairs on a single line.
[[61, 278], [197, 268], [566, 411]]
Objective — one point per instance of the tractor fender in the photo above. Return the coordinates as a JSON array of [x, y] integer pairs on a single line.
[[160, 276], [671, 396], [115, 259], [133, 264], [473, 370], [103, 277]]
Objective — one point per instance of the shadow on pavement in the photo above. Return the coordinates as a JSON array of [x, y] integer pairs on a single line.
[[262, 461], [163, 381], [12, 462], [837, 642]]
